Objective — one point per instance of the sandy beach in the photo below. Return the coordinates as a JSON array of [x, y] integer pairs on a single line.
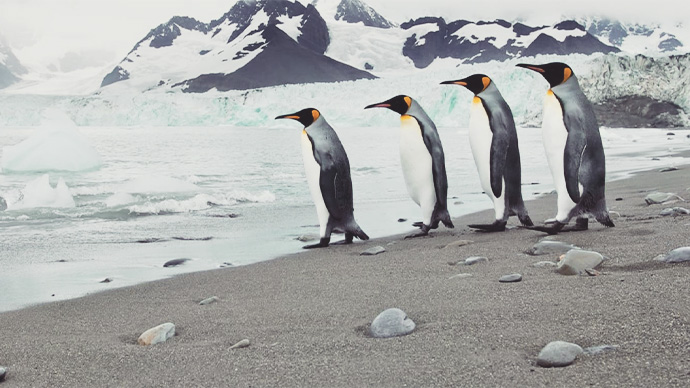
[[307, 315]]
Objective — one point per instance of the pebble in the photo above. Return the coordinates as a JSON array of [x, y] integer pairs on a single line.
[[391, 323], [106, 280], [512, 278], [592, 272], [659, 197], [558, 354], [373, 251], [594, 350], [175, 262], [3, 373], [226, 264], [158, 334], [242, 344], [667, 169], [459, 243], [475, 259], [678, 255], [402, 219], [544, 264], [577, 261], [548, 247], [307, 237], [210, 300], [461, 276], [674, 211]]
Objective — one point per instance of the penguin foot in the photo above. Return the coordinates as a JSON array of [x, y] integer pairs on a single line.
[[342, 242], [322, 244], [525, 220], [423, 232], [553, 229], [580, 225], [497, 226], [418, 224]]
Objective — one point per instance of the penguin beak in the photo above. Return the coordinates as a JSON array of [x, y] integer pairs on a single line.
[[379, 105], [531, 67], [288, 116], [458, 82]]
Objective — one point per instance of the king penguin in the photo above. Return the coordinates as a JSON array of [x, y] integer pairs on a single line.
[[328, 175], [494, 144], [573, 149], [423, 162]]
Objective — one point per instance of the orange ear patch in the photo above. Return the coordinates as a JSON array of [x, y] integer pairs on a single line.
[[567, 73], [408, 100], [486, 81], [315, 113]]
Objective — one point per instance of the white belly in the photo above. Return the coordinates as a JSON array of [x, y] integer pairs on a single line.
[[416, 165], [313, 172], [555, 136], [480, 143]]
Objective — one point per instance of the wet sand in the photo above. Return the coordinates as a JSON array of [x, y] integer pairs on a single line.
[[307, 315]]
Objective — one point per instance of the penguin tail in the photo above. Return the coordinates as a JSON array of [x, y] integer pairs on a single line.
[[444, 217]]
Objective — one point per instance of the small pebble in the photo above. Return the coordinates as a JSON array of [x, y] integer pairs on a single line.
[[210, 300], [670, 134], [175, 262], [558, 354], [106, 280], [667, 169], [158, 334], [307, 237], [459, 243], [402, 219], [461, 276], [226, 265], [392, 322], [242, 344], [592, 272], [674, 211], [373, 251], [619, 199], [475, 259], [512, 278]]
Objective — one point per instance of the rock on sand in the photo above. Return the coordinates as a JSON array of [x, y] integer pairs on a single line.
[[659, 197], [558, 353], [576, 261], [548, 247], [391, 323], [678, 255], [3, 373], [158, 334], [373, 251], [512, 278]]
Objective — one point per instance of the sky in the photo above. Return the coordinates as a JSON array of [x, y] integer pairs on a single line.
[[73, 33]]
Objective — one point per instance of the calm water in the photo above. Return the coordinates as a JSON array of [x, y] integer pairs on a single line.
[[228, 195]]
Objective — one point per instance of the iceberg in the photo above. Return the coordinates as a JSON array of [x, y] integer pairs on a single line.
[[57, 145], [39, 193]]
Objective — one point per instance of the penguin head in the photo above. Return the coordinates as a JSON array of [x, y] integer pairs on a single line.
[[476, 83], [306, 116], [400, 104], [556, 73]]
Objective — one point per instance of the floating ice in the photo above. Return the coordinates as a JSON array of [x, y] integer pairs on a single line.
[[156, 184], [119, 199], [39, 193], [56, 145]]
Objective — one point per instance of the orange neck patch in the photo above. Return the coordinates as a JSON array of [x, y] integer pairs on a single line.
[[476, 100]]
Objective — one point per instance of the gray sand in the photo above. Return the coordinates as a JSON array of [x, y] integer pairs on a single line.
[[306, 315]]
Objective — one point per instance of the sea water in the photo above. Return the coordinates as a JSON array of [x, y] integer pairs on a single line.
[[223, 197]]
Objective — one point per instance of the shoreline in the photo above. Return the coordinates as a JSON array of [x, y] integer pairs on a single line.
[[306, 314]]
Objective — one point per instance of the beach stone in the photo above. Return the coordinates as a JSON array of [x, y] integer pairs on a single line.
[[158, 334], [512, 278], [658, 197], [594, 350], [674, 211], [373, 251], [402, 219], [242, 344], [391, 323], [210, 300], [544, 264], [3, 373], [3, 204], [558, 354], [175, 262], [106, 280], [614, 214], [592, 272], [576, 261], [475, 259], [307, 237], [459, 243], [667, 169], [678, 255], [461, 276], [549, 247]]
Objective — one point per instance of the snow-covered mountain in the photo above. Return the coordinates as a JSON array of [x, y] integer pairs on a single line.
[[10, 67], [636, 38]]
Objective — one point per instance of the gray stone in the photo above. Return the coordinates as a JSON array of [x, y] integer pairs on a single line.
[[594, 350], [667, 169], [548, 247], [558, 354], [674, 211], [3, 373], [475, 259], [175, 262], [678, 255], [373, 251], [158, 334], [106, 280], [210, 300], [391, 323], [242, 344], [544, 264], [461, 276], [576, 261], [307, 237], [512, 278], [459, 243], [659, 197]]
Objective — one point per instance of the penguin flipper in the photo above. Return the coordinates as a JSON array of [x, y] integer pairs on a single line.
[[575, 146], [336, 188], [497, 158], [438, 162]]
